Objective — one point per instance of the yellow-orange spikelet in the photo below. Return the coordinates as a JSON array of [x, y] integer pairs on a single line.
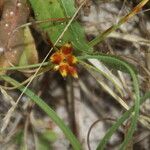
[[57, 58], [66, 49], [73, 71], [65, 61], [63, 69]]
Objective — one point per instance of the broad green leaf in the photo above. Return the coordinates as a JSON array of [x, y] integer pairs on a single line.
[[50, 9]]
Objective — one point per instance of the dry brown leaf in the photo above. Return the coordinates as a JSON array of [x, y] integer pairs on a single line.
[[15, 13]]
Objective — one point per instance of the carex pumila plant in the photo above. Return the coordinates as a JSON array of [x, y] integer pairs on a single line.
[[71, 50]]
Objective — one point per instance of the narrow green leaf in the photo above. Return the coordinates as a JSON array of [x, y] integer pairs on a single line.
[[116, 125], [125, 66], [105, 74], [111, 61], [26, 66], [51, 113], [114, 27]]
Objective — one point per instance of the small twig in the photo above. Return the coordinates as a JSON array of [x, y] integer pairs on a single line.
[[91, 127], [40, 22]]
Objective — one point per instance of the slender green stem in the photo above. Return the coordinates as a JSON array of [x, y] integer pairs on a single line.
[[103, 36], [50, 112], [24, 67], [124, 19]]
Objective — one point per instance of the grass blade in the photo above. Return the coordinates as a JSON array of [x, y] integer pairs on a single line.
[[116, 61], [106, 73], [51, 113], [113, 129], [102, 36]]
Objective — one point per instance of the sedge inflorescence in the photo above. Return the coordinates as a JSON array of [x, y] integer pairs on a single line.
[[64, 61]]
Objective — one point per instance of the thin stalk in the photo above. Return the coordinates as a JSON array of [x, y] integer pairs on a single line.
[[124, 19], [24, 67]]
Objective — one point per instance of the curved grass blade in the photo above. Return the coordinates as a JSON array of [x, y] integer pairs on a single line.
[[126, 66], [116, 125], [106, 74], [111, 61], [51, 113]]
